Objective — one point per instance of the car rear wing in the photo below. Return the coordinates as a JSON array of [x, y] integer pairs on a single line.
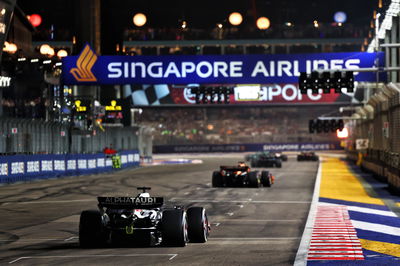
[[130, 202], [234, 168]]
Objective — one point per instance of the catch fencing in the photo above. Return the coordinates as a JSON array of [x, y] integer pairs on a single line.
[[24, 136]]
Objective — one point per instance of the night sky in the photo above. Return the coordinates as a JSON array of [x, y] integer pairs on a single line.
[[206, 13]]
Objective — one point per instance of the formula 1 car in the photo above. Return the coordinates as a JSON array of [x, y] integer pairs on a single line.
[[307, 156], [282, 156], [142, 220], [266, 160], [241, 176]]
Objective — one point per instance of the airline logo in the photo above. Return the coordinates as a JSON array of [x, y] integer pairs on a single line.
[[83, 70]]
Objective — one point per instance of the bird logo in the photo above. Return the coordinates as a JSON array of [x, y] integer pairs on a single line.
[[83, 70]]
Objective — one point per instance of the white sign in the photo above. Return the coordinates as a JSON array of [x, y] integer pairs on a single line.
[[17, 168], [3, 169], [14, 130], [82, 164], [362, 144], [59, 165], [100, 162], [47, 165], [71, 164], [247, 93], [33, 167], [5, 81], [92, 163]]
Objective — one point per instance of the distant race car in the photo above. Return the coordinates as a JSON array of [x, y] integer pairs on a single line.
[[266, 159], [142, 220], [307, 156], [266, 154], [241, 176], [282, 156]]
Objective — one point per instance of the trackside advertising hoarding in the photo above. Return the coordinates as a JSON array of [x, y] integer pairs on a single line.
[[89, 68], [273, 147]]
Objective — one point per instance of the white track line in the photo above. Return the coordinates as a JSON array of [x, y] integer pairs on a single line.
[[53, 201], [172, 256], [380, 228], [302, 252], [240, 201]]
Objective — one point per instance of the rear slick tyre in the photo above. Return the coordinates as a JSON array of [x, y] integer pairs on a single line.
[[198, 227], [254, 180], [217, 180], [92, 233], [174, 228]]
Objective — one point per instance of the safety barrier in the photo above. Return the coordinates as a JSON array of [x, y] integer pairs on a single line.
[[29, 167], [379, 123]]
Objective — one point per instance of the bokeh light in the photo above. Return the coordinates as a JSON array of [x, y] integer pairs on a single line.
[[139, 19], [263, 23], [235, 18], [340, 17], [35, 19]]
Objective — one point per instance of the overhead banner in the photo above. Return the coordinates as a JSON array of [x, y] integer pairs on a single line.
[[247, 94], [89, 68]]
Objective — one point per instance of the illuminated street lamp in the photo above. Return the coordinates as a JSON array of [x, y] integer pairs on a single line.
[[263, 23], [44, 49], [62, 53], [10, 47], [235, 18], [139, 19]]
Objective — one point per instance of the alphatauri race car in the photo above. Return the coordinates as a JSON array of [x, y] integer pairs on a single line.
[[142, 220], [307, 156], [241, 176]]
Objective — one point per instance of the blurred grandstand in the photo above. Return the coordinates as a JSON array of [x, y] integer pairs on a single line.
[[229, 125]]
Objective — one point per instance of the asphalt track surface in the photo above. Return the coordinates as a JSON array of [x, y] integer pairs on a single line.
[[39, 220]]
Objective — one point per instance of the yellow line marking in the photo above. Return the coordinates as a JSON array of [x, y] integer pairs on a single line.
[[338, 182], [381, 247]]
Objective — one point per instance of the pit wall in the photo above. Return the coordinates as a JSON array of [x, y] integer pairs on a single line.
[[18, 168]]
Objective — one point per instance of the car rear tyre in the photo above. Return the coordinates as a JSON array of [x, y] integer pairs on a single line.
[[174, 228], [254, 180], [278, 165], [92, 232], [198, 227], [217, 180], [266, 179]]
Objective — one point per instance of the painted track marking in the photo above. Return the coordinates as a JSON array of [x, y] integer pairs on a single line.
[[172, 256], [334, 230]]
